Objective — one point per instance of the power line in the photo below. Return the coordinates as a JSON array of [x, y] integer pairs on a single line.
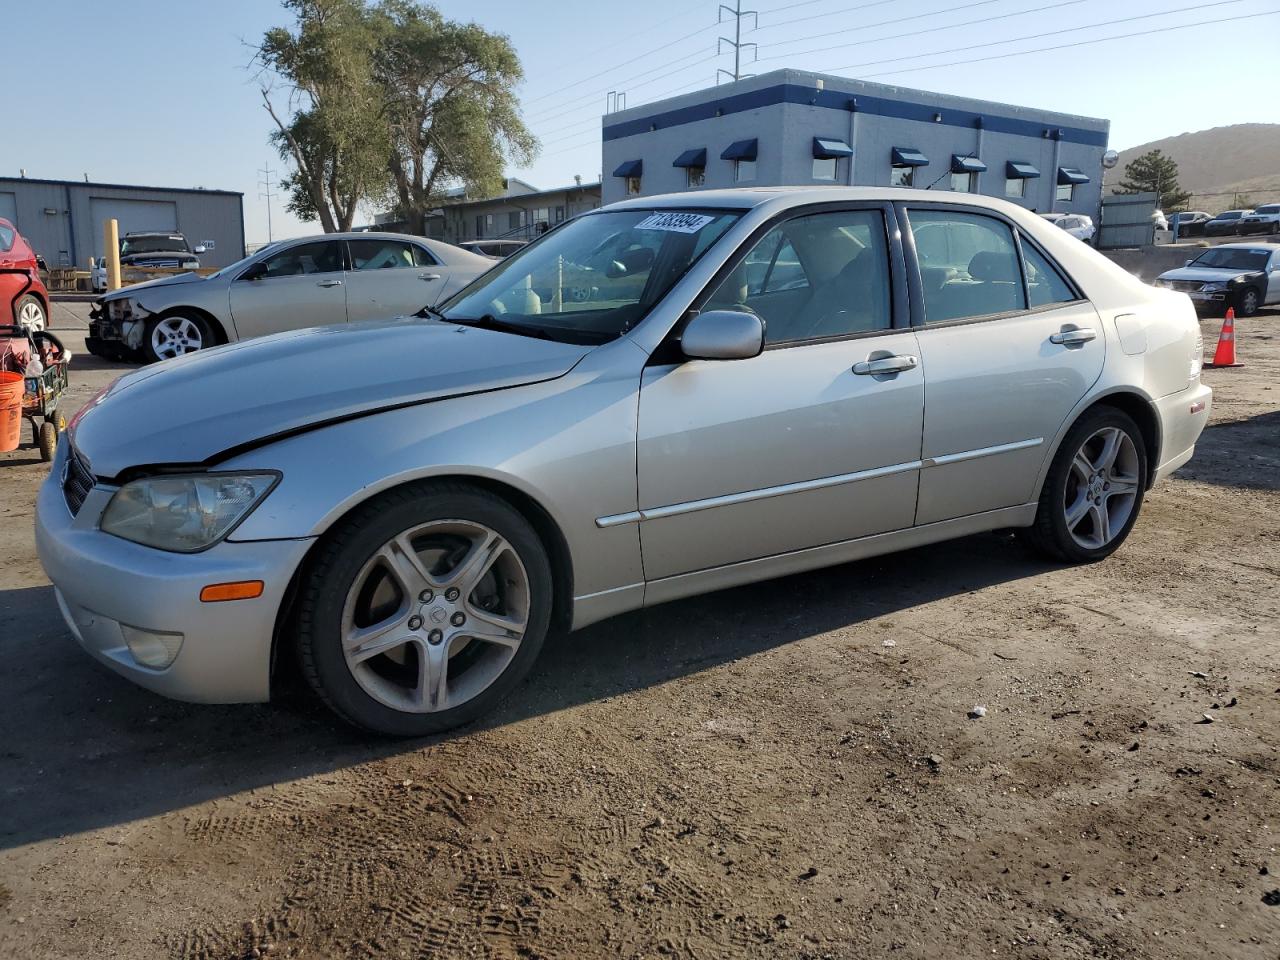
[[1038, 36], [910, 33], [1078, 43], [832, 13]]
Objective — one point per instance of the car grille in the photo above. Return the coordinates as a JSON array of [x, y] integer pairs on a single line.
[[1186, 286], [76, 483]]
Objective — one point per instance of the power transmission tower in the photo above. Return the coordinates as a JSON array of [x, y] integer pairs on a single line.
[[266, 194], [736, 43]]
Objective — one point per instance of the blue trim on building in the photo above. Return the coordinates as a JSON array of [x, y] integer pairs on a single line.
[[1020, 171], [862, 103], [966, 164], [909, 157], [629, 168], [1071, 175], [826, 148], [696, 157], [740, 150]]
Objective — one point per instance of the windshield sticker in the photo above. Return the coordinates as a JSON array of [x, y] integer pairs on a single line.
[[674, 222]]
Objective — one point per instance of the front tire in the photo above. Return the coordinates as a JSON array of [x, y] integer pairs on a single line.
[[423, 609], [1247, 302], [47, 436], [1094, 490], [174, 334]]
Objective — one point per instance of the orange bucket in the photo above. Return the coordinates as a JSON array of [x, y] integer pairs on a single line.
[[12, 387]]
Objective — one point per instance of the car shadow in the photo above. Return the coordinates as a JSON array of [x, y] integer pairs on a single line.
[[87, 749], [1238, 453]]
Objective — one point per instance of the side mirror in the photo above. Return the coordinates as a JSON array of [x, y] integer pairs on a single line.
[[1188, 263], [723, 335], [200, 249], [256, 271]]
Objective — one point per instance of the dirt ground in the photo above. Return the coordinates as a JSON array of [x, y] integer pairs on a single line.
[[782, 770]]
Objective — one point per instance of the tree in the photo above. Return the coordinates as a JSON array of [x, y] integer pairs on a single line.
[[1153, 172], [452, 115], [336, 135]]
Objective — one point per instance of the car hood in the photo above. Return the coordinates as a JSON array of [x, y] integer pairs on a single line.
[[1202, 274], [133, 288], [192, 409]]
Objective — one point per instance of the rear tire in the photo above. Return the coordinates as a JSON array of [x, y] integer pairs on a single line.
[[32, 314], [386, 639], [1093, 493]]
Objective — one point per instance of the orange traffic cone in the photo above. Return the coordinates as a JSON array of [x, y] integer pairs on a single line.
[[1225, 355]]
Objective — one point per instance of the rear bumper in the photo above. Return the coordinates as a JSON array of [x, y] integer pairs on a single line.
[[107, 587], [1183, 416]]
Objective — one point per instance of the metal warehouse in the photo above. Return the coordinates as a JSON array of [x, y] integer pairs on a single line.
[[63, 219], [795, 127]]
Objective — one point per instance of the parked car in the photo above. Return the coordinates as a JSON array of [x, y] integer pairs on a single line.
[[1077, 224], [1264, 219], [309, 282], [497, 249], [1189, 223], [1225, 224], [148, 249], [23, 297], [1240, 275], [410, 506]]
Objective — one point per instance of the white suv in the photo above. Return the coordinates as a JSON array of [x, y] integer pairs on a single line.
[[1077, 224], [1264, 219]]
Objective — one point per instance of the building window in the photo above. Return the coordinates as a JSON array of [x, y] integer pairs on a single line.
[[901, 176], [824, 168], [964, 182], [633, 186], [744, 171], [559, 214], [479, 225], [513, 219], [695, 176], [1015, 187], [1066, 191], [542, 215]]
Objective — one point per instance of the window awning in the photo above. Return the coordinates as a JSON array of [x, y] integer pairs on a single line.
[[1020, 171], [697, 157], [629, 168], [966, 164], [740, 150], [909, 157], [1071, 175], [825, 148]]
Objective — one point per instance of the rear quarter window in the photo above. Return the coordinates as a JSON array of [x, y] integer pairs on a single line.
[[7, 237]]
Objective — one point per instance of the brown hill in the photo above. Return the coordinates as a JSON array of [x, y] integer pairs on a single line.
[[1218, 163]]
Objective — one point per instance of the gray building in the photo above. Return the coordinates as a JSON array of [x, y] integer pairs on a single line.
[[795, 127], [521, 212], [63, 219]]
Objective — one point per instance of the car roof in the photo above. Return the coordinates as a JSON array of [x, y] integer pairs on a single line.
[[1247, 246], [1225, 212], [783, 197]]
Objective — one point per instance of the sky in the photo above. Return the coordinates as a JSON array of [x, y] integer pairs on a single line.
[[163, 94]]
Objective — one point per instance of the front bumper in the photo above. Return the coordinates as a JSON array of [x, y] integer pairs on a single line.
[[103, 584], [1183, 416]]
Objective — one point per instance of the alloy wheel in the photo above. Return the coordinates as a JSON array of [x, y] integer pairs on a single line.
[[1102, 488], [174, 336], [31, 316], [435, 616]]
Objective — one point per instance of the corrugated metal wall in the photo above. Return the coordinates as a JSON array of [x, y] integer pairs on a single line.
[[63, 222]]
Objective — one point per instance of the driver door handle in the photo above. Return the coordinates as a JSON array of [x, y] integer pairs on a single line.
[[866, 368], [428, 276], [1067, 338], [328, 283]]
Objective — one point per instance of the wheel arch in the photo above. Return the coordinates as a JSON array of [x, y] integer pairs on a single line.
[[529, 507], [1137, 405]]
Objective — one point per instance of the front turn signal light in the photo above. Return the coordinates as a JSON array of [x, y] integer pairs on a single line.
[[239, 590]]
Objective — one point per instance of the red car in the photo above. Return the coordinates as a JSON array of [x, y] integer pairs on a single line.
[[22, 293]]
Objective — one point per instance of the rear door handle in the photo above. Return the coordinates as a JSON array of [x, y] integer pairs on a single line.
[[1069, 337], [328, 283], [865, 368], [428, 276]]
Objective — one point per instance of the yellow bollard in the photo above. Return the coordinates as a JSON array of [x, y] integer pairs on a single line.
[[111, 240]]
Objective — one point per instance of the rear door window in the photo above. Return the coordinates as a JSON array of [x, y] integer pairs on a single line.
[[968, 265], [1045, 282]]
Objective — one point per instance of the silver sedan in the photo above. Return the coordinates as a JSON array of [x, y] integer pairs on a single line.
[[287, 285], [750, 384]]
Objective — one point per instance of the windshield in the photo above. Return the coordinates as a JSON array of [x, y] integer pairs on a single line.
[[242, 262], [1231, 215], [1226, 259], [1269, 209], [593, 278], [168, 243]]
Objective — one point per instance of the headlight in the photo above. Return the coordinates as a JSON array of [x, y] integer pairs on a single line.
[[1213, 287], [184, 514]]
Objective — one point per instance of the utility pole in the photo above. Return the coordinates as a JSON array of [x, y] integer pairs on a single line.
[[266, 194], [736, 43]]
